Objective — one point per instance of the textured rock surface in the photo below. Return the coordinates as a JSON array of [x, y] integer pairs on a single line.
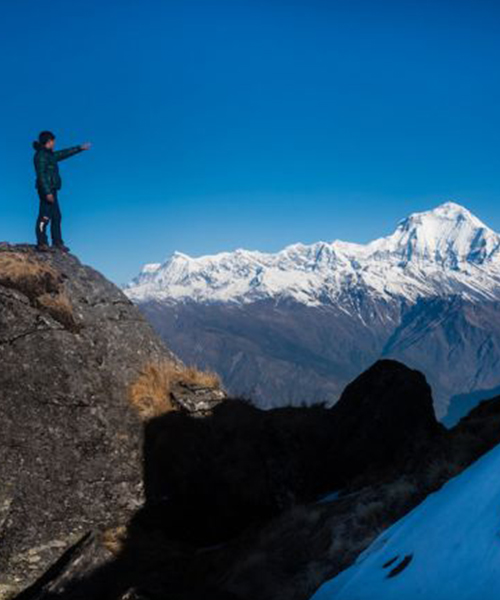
[[197, 400], [70, 444]]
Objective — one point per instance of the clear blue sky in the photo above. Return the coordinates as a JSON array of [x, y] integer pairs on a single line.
[[220, 124]]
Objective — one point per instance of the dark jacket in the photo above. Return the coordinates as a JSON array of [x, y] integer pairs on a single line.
[[48, 179]]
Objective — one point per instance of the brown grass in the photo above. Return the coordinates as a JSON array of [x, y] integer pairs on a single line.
[[40, 283], [114, 539], [193, 376], [441, 469], [401, 489], [59, 308], [27, 275], [370, 513], [149, 394]]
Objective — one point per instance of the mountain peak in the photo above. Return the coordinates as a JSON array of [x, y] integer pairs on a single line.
[[448, 211], [151, 267], [451, 208], [180, 256], [445, 236]]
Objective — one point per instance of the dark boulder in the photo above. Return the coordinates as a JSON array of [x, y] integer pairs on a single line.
[[385, 417], [207, 480]]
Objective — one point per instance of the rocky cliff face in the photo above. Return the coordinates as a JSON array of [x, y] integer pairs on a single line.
[[70, 443]]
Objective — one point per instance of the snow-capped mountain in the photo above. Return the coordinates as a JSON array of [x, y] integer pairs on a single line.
[[446, 548], [442, 251], [296, 326]]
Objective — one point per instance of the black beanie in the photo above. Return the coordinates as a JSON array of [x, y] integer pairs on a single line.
[[43, 138]]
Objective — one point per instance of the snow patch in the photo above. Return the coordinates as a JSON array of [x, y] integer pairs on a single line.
[[448, 548]]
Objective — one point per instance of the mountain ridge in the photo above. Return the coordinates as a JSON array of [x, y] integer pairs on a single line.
[[443, 251], [296, 326]]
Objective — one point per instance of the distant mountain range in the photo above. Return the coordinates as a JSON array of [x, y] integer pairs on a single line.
[[294, 327]]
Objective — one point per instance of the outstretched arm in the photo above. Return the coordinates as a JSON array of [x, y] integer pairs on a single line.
[[67, 152]]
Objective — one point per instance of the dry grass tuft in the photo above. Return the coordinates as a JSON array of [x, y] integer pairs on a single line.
[[441, 469], [149, 394], [59, 308], [370, 512], [193, 376], [40, 283], [400, 490], [27, 275], [114, 539]]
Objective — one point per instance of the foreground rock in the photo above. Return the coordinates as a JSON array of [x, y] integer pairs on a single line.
[[70, 444], [226, 517]]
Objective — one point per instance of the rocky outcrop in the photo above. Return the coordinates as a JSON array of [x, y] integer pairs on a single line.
[[195, 399], [232, 506], [242, 465], [70, 444]]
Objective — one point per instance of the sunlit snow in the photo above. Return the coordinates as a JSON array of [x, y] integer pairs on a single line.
[[443, 251], [450, 545]]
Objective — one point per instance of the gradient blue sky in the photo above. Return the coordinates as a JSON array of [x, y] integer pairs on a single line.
[[220, 124]]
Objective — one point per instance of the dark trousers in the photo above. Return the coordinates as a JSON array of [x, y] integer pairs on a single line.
[[49, 213]]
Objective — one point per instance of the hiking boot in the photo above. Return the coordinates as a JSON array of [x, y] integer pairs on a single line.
[[61, 247], [42, 247]]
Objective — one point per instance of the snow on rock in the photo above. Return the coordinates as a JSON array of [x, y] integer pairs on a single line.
[[448, 548], [443, 251]]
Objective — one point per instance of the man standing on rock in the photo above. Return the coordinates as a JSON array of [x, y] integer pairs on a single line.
[[48, 183]]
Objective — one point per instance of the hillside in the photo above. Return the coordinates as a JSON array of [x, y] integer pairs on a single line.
[[297, 325], [446, 548]]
